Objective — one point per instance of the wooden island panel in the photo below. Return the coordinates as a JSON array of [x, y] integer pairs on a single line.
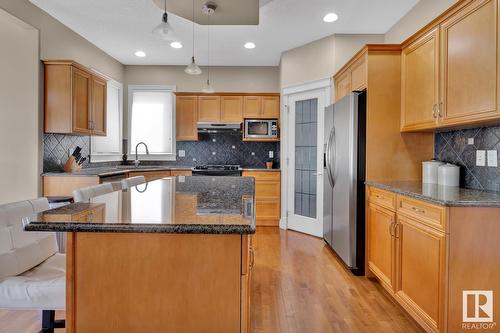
[[173, 282]]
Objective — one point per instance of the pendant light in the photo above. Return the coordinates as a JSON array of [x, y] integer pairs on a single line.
[[164, 30], [192, 68], [208, 88]]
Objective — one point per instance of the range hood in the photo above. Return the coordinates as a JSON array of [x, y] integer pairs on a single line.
[[218, 127]]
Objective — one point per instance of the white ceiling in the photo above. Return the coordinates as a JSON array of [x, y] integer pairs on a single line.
[[121, 27]]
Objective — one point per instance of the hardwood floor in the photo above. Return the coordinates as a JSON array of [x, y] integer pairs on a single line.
[[298, 286]]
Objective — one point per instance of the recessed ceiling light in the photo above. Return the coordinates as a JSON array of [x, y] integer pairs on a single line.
[[176, 45], [330, 17], [250, 45], [140, 54]]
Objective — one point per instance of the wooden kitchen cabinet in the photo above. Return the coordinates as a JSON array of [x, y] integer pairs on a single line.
[[381, 242], [267, 196], [231, 109], [470, 65], [209, 108], [420, 275], [252, 106], [420, 83], [175, 173], [150, 175], [450, 71], [271, 107], [342, 85], [75, 99], [186, 118]]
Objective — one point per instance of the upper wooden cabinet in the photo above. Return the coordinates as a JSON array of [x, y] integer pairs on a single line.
[[75, 99], [231, 109], [470, 71], [352, 77], [186, 118], [209, 109], [450, 71], [420, 82], [261, 107]]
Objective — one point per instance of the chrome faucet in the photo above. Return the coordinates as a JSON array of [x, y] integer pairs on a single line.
[[137, 162]]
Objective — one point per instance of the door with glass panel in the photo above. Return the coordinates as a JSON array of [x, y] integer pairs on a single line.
[[305, 182]]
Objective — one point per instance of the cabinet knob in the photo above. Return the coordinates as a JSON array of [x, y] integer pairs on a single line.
[[434, 107]]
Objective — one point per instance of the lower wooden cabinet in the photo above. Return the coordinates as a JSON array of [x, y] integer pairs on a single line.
[[175, 173], [267, 196], [150, 175], [420, 274], [381, 244]]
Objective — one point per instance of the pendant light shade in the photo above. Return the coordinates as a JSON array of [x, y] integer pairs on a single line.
[[192, 68], [207, 88], [164, 30]]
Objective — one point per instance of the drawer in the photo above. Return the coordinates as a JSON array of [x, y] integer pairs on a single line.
[[429, 214], [263, 175], [267, 209], [267, 189], [382, 198]]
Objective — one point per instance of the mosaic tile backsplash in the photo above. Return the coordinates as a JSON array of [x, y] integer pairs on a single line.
[[453, 147], [221, 148]]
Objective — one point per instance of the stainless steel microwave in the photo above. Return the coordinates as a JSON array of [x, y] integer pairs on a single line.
[[261, 128]]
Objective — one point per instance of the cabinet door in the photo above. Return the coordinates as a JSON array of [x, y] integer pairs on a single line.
[[186, 117], [252, 107], [81, 101], [209, 108], [469, 53], [232, 109], [271, 107], [381, 244], [421, 265], [420, 83], [98, 120], [343, 85]]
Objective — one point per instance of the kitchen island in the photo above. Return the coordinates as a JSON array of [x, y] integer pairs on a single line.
[[170, 255]]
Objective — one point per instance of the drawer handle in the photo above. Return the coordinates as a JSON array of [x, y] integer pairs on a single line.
[[379, 196], [415, 209], [391, 228]]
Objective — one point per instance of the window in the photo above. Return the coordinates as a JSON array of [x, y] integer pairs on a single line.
[[109, 148], [151, 120]]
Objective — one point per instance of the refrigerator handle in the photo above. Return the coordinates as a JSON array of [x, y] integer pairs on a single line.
[[333, 161], [329, 158]]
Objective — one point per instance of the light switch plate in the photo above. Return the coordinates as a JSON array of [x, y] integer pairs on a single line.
[[470, 141], [480, 157], [492, 158], [182, 153], [271, 154]]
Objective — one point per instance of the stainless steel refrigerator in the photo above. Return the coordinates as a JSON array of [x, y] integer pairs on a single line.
[[344, 188]]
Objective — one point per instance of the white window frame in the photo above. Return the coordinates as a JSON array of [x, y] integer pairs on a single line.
[[111, 156], [131, 150]]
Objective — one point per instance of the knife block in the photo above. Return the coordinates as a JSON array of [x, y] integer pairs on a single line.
[[71, 165]]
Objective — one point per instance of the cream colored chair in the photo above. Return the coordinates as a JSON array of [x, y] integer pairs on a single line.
[[32, 272], [84, 194], [133, 181]]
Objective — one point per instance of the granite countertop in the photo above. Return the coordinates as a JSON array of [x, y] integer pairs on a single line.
[[114, 171], [441, 195], [120, 170], [187, 205]]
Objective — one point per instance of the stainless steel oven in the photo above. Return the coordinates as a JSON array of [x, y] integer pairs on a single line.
[[261, 128]]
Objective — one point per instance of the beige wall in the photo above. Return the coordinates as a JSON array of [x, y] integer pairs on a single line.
[[59, 42], [421, 14], [313, 61], [348, 45], [19, 116]]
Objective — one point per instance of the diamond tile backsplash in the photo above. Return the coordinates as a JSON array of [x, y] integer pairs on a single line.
[[222, 148], [453, 147]]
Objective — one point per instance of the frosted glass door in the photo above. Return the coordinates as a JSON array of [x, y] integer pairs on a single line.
[[306, 147]]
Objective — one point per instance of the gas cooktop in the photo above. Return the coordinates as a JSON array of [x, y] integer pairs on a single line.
[[217, 167], [217, 170]]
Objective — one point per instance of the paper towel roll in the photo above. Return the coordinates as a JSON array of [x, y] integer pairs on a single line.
[[430, 171], [449, 175]]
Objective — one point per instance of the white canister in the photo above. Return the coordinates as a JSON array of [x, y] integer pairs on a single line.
[[449, 175], [430, 171]]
